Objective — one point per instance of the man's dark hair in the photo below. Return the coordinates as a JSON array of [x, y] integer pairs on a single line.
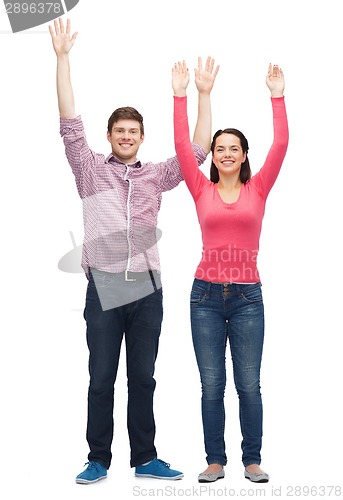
[[126, 113]]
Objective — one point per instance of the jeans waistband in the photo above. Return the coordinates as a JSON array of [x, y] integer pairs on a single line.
[[230, 287]]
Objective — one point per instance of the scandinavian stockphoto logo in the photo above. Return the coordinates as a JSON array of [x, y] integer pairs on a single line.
[[24, 15]]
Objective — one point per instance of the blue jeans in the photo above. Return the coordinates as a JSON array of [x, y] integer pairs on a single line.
[[140, 322], [221, 311]]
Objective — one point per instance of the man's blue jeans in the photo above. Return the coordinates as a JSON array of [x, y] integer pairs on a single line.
[[140, 322], [221, 311]]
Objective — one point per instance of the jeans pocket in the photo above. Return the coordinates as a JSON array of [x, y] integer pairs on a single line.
[[198, 295], [252, 295]]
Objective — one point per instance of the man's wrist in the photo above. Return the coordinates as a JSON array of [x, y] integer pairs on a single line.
[[204, 96], [63, 57]]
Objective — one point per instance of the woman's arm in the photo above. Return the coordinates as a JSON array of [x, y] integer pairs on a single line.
[[271, 168]]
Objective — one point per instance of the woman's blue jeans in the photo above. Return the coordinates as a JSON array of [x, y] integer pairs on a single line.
[[221, 311]]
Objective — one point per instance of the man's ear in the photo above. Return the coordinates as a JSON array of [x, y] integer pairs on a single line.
[[108, 136]]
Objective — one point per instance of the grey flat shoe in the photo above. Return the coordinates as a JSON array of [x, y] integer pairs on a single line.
[[210, 478], [256, 478]]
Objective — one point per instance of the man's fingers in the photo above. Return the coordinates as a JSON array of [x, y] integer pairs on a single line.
[[216, 71], [209, 64], [61, 25], [57, 29], [73, 38]]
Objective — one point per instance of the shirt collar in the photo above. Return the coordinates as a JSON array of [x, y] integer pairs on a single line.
[[113, 159]]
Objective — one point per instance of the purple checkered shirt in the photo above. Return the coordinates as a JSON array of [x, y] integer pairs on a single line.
[[120, 203]]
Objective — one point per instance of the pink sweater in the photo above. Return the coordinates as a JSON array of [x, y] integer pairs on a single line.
[[230, 231]]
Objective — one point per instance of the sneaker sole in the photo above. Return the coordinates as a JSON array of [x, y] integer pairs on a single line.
[[85, 481], [173, 478]]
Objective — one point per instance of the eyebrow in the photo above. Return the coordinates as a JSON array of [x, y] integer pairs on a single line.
[[123, 128]]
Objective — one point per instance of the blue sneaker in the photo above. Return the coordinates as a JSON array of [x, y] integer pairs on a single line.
[[158, 470], [93, 473]]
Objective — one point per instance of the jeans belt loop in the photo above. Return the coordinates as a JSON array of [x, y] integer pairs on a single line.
[[127, 276]]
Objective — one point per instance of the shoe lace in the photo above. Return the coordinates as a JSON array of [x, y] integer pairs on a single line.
[[91, 465], [163, 464]]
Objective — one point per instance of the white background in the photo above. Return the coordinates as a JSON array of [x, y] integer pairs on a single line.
[[123, 56]]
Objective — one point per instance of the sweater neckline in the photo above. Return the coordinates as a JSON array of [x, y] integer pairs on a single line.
[[229, 203]]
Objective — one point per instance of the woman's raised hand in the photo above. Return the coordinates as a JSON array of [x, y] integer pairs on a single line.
[[275, 80]]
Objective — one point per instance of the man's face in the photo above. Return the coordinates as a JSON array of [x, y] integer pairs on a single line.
[[125, 140]]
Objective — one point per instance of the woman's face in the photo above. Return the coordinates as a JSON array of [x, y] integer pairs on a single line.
[[228, 154]]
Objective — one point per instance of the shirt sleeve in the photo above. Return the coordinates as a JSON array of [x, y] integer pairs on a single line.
[[194, 178], [267, 176], [171, 174], [80, 157]]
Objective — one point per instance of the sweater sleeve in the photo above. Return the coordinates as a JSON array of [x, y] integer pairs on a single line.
[[272, 165], [194, 178]]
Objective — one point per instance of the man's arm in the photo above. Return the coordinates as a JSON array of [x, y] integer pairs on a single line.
[[194, 178], [80, 157], [62, 43], [204, 80]]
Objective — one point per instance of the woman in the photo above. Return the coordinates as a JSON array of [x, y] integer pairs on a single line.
[[226, 298]]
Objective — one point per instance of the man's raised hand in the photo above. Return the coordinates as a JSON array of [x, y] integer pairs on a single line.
[[205, 78], [60, 36]]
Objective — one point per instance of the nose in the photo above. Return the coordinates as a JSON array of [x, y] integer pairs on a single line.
[[125, 134]]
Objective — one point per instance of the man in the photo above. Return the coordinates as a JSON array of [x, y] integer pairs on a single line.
[[121, 199]]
